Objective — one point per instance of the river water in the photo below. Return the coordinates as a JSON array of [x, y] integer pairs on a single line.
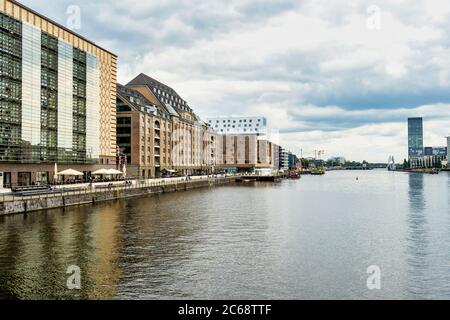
[[312, 238]]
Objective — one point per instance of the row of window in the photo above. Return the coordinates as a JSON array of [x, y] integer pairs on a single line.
[[11, 25], [49, 79], [235, 121], [245, 130], [237, 126], [48, 139], [10, 67], [49, 98], [9, 44], [49, 59], [79, 88], [10, 89], [10, 112], [49, 119], [49, 42]]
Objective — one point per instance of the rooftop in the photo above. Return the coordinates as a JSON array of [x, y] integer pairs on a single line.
[[143, 79], [58, 25]]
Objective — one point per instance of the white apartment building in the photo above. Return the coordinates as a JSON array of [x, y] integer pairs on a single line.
[[284, 159], [239, 125]]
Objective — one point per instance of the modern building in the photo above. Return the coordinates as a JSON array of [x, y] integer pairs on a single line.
[[57, 99], [276, 157], [239, 125], [143, 134], [292, 160], [246, 152], [284, 159], [433, 156], [448, 150], [415, 141]]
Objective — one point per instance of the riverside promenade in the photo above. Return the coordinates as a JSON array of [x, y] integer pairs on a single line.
[[83, 194]]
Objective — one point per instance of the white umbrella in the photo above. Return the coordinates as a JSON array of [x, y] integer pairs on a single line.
[[70, 172], [101, 171], [114, 171]]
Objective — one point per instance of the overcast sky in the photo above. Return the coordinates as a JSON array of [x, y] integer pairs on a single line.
[[329, 75]]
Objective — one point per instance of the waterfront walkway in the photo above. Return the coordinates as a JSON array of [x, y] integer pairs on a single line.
[[87, 188]]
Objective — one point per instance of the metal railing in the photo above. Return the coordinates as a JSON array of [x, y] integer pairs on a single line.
[[111, 188]]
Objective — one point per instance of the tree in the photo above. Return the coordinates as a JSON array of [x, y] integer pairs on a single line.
[[406, 164], [305, 163]]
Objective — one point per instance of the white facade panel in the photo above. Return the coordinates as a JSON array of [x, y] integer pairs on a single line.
[[31, 84], [92, 107], [65, 95]]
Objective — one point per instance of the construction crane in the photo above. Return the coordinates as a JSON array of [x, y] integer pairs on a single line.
[[318, 154]]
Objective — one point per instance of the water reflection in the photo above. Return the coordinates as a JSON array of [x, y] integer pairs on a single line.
[[37, 249], [312, 238], [417, 237]]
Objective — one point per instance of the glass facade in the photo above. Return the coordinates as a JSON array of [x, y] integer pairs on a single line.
[[92, 105], [10, 89], [31, 92], [79, 105], [415, 137], [65, 101], [49, 98]]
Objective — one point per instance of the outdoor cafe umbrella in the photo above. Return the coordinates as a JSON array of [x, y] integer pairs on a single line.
[[70, 172], [114, 171], [101, 172]]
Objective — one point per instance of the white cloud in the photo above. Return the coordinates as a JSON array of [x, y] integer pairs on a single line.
[[311, 65]]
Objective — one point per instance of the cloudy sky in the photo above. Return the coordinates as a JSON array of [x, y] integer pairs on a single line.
[[340, 76]]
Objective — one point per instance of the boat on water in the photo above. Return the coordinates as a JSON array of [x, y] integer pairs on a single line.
[[294, 175]]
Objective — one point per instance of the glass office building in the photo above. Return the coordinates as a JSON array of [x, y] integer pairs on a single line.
[[57, 96], [415, 138]]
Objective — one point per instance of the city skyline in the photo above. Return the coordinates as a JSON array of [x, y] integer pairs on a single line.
[[337, 83]]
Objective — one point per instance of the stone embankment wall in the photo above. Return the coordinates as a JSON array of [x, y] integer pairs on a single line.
[[28, 204]]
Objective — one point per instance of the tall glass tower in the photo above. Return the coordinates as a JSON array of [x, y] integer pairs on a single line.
[[415, 137]]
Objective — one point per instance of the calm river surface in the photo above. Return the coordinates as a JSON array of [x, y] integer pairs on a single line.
[[308, 239]]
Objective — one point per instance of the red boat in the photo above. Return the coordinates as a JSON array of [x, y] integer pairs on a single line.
[[294, 174]]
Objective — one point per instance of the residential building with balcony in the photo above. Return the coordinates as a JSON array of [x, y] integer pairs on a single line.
[[245, 152], [186, 143], [143, 134]]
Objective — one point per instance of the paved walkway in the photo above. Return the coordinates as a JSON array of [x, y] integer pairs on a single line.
[[7, 195]]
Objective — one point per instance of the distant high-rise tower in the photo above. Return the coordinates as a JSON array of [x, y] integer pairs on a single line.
[[448, 149], [415, 137]]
